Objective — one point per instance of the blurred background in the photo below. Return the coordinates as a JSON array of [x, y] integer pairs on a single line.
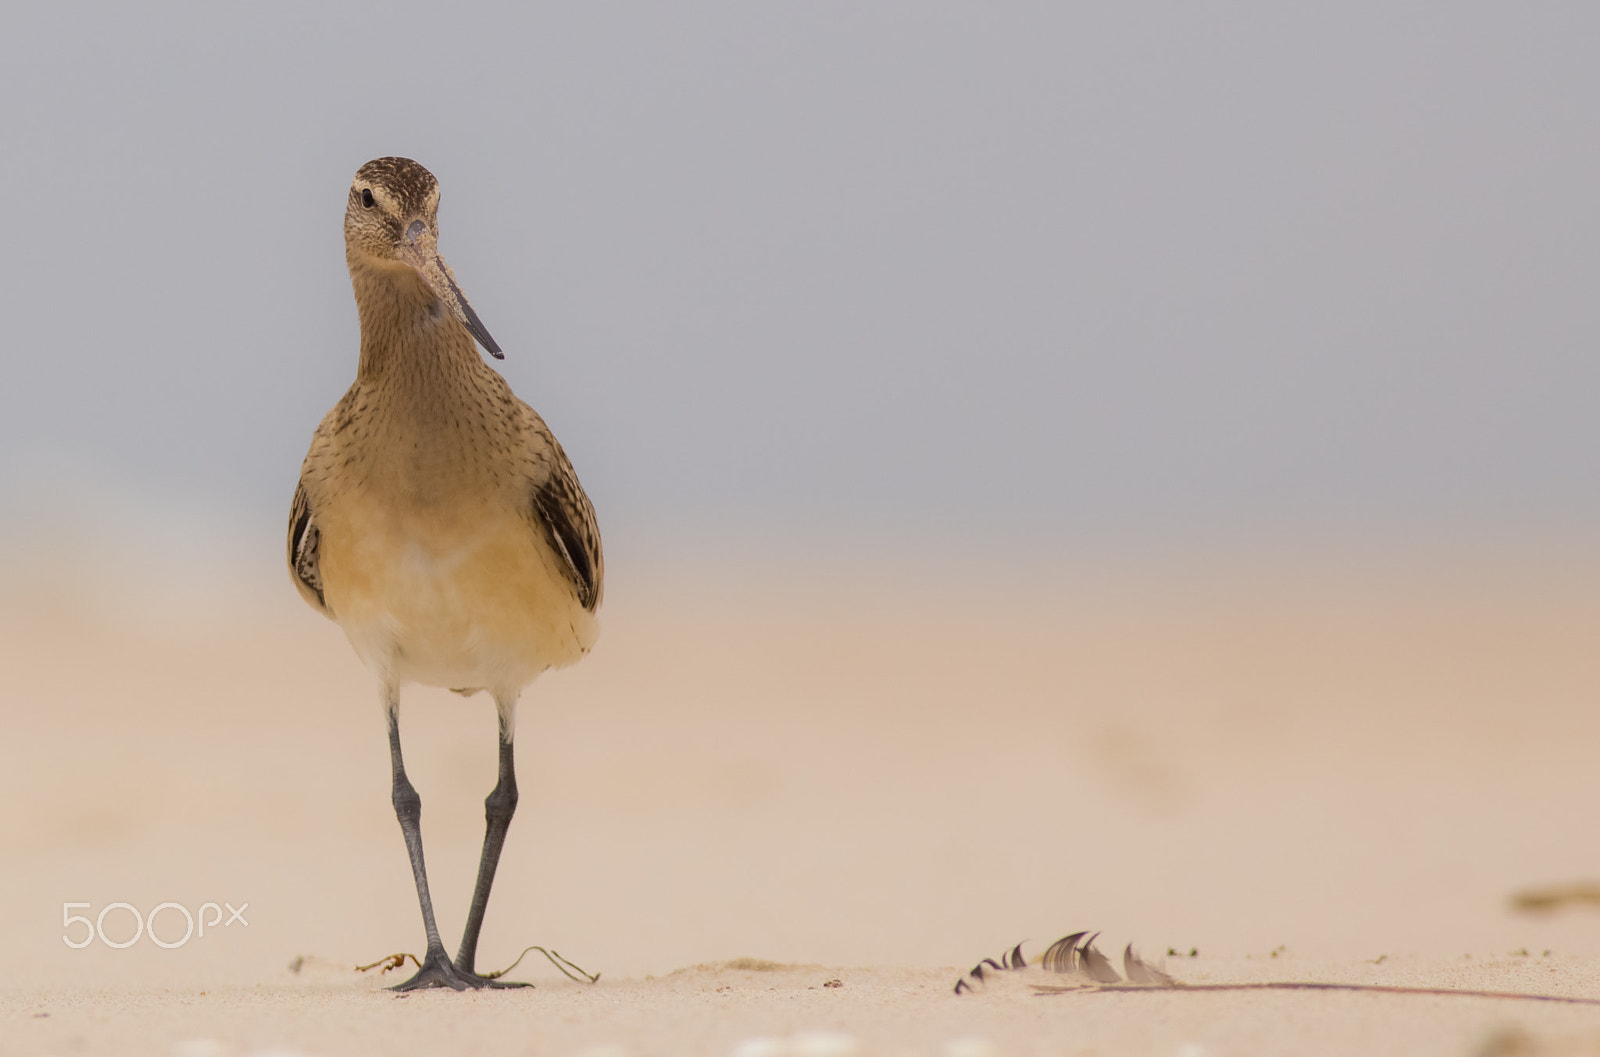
[[1017, 430], [1021, 271]]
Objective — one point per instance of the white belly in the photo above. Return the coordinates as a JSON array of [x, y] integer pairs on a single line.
[[472, 600]]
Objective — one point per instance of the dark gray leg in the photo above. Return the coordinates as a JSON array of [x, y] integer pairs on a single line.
[[437, 969], [498, 808], [408, 809]]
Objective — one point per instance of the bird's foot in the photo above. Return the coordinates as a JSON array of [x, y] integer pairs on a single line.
[[439, 971]]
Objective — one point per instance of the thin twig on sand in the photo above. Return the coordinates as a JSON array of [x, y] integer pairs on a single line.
[[566, 967], [1317, 985], [556, 960], [1556, 897], [393, 961]]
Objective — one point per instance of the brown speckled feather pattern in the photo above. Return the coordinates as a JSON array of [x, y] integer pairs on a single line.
[[437, 518], [303, 542]]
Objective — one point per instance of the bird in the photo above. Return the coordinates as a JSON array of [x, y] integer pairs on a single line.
[[437, 520]]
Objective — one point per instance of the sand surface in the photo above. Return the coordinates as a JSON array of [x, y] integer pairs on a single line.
[[1324, 767]]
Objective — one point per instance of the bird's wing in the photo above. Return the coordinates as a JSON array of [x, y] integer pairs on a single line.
[[304, 541], [566, 518]]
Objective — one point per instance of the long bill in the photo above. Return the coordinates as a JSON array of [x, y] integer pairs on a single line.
[[419, 249]]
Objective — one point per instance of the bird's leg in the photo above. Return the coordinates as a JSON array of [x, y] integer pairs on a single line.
[[437, 969], [498, 808]]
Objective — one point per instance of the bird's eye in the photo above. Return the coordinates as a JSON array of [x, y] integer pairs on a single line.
[[366, 197]]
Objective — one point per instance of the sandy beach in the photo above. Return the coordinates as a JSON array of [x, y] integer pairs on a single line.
[[1063, 468], [772, 776]]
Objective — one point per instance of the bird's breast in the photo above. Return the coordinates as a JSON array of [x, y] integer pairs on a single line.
[[449, 594]]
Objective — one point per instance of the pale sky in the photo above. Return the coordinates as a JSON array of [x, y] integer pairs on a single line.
[[1019, 268]]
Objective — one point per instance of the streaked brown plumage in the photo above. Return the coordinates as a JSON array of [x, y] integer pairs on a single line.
[[437, 520]]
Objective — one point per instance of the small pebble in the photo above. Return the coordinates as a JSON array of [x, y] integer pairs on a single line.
[[971, 1046], [823, 1044], [198, 1048]]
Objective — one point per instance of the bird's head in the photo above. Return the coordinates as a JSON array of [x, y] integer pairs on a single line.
[[391, 224]]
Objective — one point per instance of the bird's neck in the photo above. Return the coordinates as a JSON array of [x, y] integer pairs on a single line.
[[410, 341]]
